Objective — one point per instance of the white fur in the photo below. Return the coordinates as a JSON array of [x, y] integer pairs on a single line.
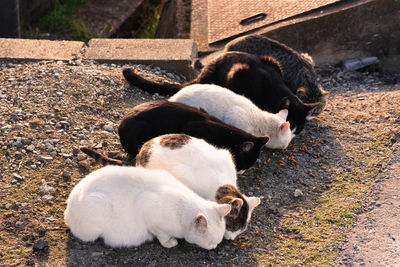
[[238, 111], [128, 206], [200, 166]]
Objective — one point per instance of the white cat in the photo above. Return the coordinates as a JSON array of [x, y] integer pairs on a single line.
[[238, 111], [128, 206], [208, 171]]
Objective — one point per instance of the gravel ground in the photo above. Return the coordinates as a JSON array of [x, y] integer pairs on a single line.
[[50, 108]]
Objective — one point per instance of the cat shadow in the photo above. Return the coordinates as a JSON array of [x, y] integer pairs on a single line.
[[149, 254]]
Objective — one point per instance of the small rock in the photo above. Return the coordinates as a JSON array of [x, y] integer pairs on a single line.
[[66, 176], [47, 197], [44, 158], [81, 156], [30, 148], [96, 254], [298, 193], [18, 144], [49, 146], [66, 155], [85, 164], [108, 128], [8, 206], [41, 244], [45, 188], [18, 177]]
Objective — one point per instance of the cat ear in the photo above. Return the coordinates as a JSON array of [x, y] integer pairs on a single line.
[[223, 210], [253, 202], [203, 110], [200, 223], [236, 205], [308, 118], [283, 113], [247, 146], [324, 94], [284, 103], [301, 92], [284, 126]]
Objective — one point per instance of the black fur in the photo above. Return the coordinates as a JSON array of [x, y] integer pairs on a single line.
[[259, 79], [156, 118]]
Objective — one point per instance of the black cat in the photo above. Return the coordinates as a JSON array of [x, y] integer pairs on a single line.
[[259, 78], [156, 118]]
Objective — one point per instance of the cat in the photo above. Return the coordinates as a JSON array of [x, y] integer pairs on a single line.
[[238, 111], [151, 119], [258, 78], [128, 206], [207, 170], [298, 69]]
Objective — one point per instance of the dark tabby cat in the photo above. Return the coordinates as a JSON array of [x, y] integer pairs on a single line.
[[259, 78], [298, 69]]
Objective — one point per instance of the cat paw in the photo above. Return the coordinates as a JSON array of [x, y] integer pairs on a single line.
[[172, 242]]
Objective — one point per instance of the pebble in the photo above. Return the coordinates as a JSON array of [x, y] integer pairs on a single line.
[[47, 197], [45, 188], [81, 156], [108, 128], [41, 244], [298, 193], [66, 175], [44, 158], [30, 148]]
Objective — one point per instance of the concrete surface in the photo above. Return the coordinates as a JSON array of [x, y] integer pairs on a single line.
[[24, 49], [349, 29], [228, 18], [171, 54], [375, 241]]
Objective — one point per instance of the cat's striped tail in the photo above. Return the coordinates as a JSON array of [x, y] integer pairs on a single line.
[[100, 158], [150, 86]]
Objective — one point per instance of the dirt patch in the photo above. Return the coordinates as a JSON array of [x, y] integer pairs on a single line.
[[311, 193]]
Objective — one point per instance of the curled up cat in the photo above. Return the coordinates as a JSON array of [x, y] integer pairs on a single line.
[[208, 171], [128, 206]]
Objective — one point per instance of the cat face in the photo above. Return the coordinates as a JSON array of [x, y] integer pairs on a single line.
[[207, 231], [241, 208], [299, 112], [278, 128]]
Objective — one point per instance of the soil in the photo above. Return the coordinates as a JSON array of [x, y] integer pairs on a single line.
[[48, 109]]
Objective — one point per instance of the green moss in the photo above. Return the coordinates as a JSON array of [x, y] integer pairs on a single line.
[[61, 18], [149, 28], [312, 234]]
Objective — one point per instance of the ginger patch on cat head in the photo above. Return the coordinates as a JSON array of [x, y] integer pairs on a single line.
[[174, 141], [237, 218], [236, 68], [144, 154]]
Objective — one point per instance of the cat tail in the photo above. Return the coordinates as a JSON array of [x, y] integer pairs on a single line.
[[150, 86], [100, 158]]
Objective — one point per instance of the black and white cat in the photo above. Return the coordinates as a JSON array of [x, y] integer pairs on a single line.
[[258, 78], [297, 69], [156, 118], [238, 111], [128, 206], [208, 171]]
